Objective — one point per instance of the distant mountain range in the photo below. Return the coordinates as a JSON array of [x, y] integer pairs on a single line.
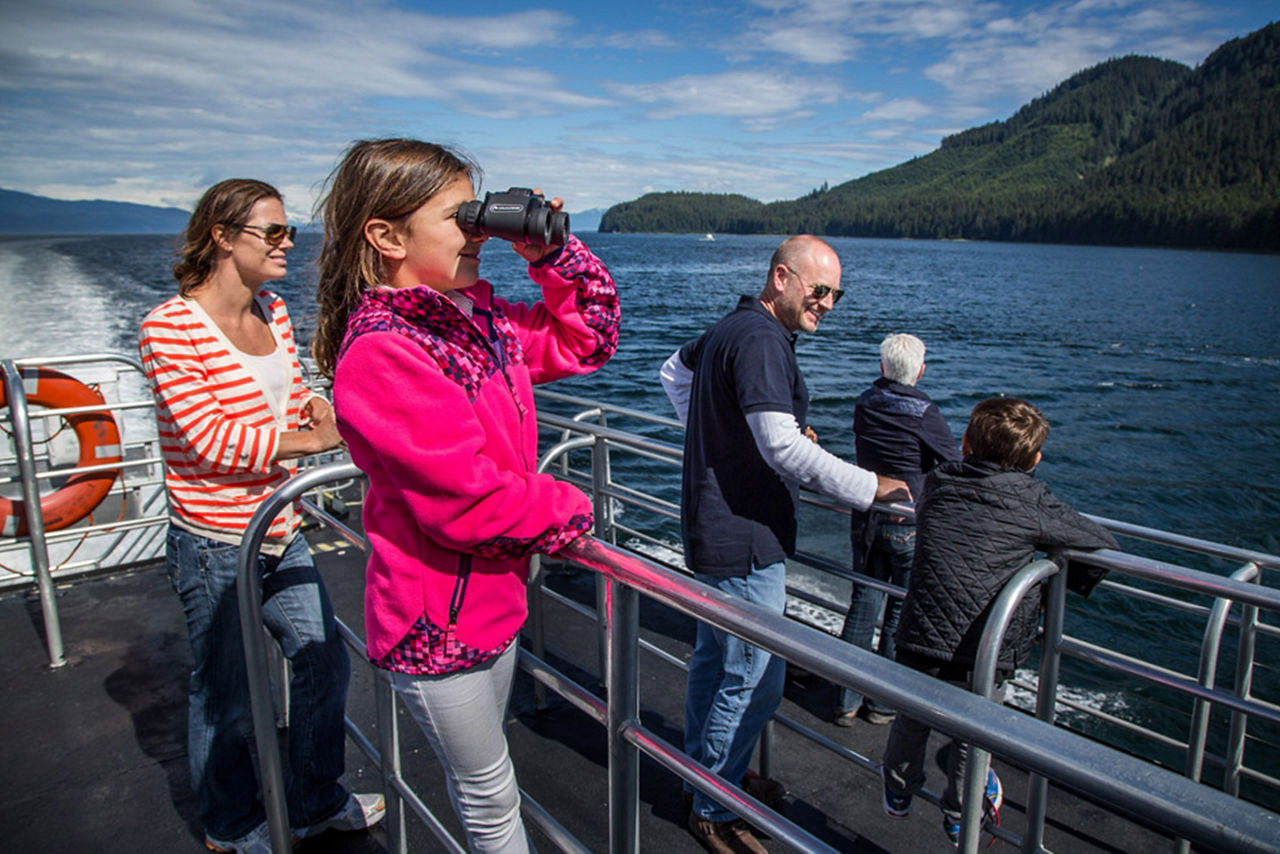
[[1134, 151], [23, 213]]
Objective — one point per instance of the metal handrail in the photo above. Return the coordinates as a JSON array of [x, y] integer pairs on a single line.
[[1252, 596], [17, 397], [986, 663], [38, 539], [1201, 814], [1130, 784]]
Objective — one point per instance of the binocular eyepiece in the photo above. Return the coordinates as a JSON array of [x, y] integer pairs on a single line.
[[519, 215]]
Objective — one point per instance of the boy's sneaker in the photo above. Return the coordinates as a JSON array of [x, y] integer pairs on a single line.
[[358, 813], [895, 805], [951, 826], [992, 798], [256, 841]]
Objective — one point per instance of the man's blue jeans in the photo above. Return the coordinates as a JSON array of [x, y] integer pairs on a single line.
[[888, 559], [296, 610], [734, 687]]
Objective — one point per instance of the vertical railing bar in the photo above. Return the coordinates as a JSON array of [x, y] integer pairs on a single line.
[[1245, 659], [19, 417], [623, 694], [249, 598], [389, 748], [537, 613], [600, 504], [1201, 708], [765, 763], [1046, 706], [986, 662]]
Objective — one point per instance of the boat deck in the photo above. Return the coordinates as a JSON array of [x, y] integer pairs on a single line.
[[94, 756]]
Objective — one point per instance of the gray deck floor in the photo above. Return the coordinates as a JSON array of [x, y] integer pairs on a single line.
[[93, 757]]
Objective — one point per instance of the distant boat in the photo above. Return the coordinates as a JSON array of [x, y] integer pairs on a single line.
[[708, 236]]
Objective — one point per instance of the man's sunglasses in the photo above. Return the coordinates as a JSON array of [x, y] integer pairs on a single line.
[[275, 233], [819, 291]]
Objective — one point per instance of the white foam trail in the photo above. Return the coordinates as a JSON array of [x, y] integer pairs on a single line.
[[53, 305]]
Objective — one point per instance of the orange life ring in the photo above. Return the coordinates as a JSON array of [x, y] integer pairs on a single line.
[[99, 440]]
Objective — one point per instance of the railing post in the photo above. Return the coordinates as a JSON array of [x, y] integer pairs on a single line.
[[1046, 706], [600, 502], [537, 626], [622, 685], [16, 394], [986, 662], [257, 672], [249, 597], [766, 749], [1210, 647], [389, 750], [1244, 689], [537, 617]]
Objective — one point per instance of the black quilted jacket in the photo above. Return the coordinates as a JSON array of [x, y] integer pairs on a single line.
[[977, 526]]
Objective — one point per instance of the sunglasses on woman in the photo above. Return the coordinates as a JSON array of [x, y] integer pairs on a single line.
[[274, 233]]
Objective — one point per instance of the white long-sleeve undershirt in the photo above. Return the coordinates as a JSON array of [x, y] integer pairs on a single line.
[[791, 454], [783, 445], [677, 382]]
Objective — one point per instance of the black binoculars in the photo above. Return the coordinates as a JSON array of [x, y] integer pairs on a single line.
[[519, 215]]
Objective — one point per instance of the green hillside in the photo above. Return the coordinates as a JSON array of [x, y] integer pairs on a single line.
[[1135, 150]]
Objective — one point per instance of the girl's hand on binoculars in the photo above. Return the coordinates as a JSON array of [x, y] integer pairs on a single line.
[[532, 253]]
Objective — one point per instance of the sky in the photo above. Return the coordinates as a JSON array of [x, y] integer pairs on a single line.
[[151, 101]]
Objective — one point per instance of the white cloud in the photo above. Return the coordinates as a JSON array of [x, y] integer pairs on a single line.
[[152, 100], [900, 109], [737, 94]]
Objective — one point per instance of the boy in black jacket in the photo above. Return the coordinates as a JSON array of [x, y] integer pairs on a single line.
[[979, 521]]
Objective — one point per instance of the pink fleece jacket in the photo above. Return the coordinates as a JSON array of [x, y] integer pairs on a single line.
[[437, 409]]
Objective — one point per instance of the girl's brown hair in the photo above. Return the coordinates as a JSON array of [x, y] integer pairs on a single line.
[[377, 178], [226, 203]]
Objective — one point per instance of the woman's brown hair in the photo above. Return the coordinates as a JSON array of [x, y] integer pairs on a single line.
[[226, 203], [377, 178]]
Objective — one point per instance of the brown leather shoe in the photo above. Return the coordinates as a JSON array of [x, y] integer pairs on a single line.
[[766, 790], [725, 837]]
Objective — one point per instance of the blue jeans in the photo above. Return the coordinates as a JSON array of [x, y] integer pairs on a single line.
[[734, 687], [296, 610], [887, 559]]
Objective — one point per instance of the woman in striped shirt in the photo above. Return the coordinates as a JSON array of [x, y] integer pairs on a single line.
[[233, 418]]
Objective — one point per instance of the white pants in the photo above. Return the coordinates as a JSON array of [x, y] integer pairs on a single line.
[[464, 717]]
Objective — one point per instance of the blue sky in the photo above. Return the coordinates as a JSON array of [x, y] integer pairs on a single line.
[[152, 100]]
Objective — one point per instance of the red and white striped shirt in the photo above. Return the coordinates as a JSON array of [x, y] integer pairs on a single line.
[[219, 428]]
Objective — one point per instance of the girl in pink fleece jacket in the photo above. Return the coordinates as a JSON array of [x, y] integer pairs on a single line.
[[433, 378]]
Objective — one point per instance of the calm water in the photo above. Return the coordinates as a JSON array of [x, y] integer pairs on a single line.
[[1160, 370]]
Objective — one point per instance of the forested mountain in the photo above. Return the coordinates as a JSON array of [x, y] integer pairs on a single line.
[[23, 213], [1135, 150]]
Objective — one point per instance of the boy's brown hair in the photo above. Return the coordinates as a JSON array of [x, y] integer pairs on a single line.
[[1007, 431]]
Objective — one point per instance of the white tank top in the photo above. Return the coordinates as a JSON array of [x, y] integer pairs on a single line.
[[270, 371]]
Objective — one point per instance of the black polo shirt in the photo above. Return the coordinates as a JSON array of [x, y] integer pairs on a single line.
[[737, 513]]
